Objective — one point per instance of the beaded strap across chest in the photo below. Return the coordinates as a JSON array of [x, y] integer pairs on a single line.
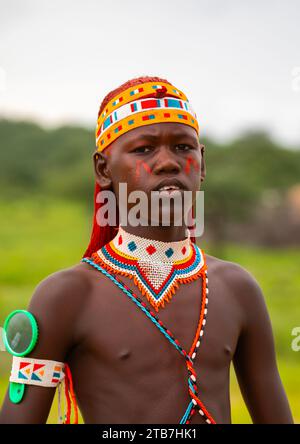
[[195, 405]]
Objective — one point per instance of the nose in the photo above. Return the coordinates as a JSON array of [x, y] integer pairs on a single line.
[[166, 162]]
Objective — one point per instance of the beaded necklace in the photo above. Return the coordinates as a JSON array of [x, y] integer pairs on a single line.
[[195, 404], [157, 268]]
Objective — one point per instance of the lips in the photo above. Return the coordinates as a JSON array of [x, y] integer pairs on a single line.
[[173, 184]]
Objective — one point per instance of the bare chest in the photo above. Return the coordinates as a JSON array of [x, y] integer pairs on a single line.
[[120, 333], [128, 356]]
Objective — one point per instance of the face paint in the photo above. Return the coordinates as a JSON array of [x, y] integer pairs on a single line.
[[194, 163]]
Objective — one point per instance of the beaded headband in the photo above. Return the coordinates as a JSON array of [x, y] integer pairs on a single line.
[[152, 102]]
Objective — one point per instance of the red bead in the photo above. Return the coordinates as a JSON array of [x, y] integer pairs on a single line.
[[151, 249]]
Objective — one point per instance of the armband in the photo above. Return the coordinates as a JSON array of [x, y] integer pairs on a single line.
[[20, 335], [37, 372]]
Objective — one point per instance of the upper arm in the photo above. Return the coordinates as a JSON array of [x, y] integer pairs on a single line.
[[255, 358], [55, 305]]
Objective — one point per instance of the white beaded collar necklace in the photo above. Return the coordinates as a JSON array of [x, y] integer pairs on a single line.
[[157, 267]]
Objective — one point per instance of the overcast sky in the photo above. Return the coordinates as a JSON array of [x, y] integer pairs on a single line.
[[237, 61]]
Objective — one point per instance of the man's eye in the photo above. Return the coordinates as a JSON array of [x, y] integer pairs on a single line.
[[184, 147], [142, 149]]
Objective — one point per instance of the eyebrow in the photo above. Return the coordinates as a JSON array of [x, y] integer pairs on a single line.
[[174, 135]]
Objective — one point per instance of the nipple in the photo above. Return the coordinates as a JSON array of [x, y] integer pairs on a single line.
[[124, 354]]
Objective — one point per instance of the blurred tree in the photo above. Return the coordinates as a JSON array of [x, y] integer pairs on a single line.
[[237, 176]]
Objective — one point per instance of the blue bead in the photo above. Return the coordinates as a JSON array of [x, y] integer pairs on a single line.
[[132, 246], [169, 252]]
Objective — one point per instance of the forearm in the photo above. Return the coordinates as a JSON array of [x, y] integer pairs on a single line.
[[265, 398], [256, 364], [27, 412]]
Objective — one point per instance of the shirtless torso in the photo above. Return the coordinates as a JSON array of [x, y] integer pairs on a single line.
[[125, 371]]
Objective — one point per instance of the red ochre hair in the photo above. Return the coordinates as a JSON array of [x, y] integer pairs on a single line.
[[101, 235]]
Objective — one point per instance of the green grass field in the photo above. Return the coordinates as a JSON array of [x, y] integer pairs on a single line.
[[38, 238]]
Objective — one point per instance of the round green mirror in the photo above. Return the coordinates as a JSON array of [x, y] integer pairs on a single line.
[[20, 333]]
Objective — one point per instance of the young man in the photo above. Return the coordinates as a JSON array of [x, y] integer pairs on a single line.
[[133, 320]]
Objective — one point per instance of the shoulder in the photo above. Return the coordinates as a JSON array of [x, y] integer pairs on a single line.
[[58, 303], [234, 278], [62, 295], [231, 273]]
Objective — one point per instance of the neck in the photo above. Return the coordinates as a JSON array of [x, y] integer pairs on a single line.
[[164, 234]]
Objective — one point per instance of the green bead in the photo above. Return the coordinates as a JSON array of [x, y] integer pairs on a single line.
[[16, 392]]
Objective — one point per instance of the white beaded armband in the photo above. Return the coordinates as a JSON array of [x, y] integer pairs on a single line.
[[40, 372]]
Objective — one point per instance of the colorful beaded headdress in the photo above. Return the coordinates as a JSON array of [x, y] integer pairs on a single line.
[[139, 102], [152, 102]]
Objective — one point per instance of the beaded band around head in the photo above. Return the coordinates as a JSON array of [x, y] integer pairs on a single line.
[[152, 102]]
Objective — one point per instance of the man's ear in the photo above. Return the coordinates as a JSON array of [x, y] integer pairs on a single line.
[[203, 166], [102, 172]]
